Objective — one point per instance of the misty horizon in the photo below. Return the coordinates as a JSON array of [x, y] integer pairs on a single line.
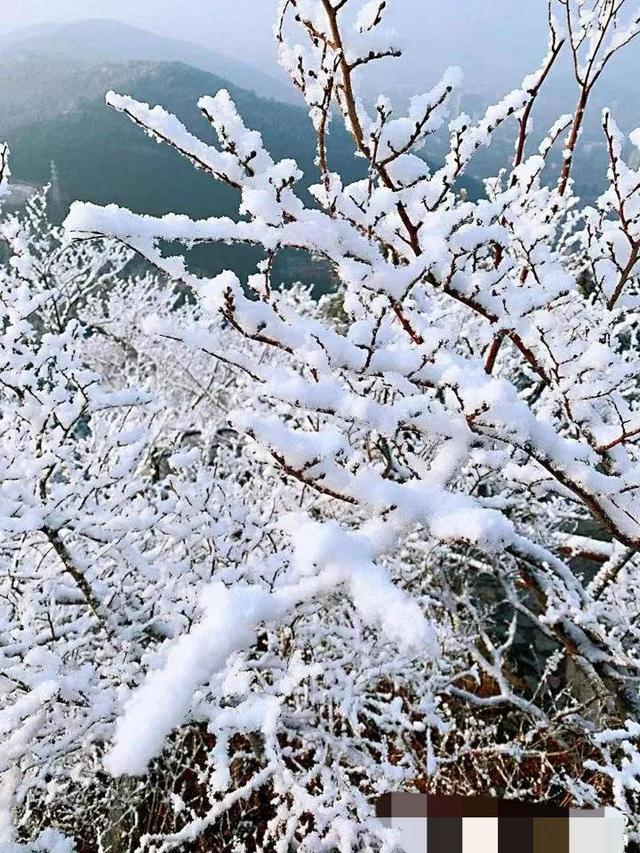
[[496, 46], [462, 32]]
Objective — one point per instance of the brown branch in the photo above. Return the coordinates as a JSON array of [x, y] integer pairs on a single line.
[[350, 108], [53, 536], [572, 140], [492, 355], [555, 50]]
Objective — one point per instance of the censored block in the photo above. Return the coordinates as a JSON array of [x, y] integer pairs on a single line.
[[447, 824]]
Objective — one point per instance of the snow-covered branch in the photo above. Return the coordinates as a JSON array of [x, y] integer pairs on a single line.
[[317, 550]]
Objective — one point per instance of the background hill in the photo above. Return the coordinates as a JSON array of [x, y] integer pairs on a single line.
[[53, 115], [103, 39], [36, 88]]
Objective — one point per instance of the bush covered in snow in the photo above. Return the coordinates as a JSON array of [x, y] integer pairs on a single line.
[[263, 558]]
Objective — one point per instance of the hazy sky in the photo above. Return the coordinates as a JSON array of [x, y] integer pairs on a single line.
[[496, 42], [495, 37]]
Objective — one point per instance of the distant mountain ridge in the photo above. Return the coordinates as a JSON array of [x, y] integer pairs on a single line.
[[100, 156], [54, 117], [37, 87], [88, 141], [105, 39]]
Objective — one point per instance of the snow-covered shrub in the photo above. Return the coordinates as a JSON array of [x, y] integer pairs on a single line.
[[266, 558], [122, 492]]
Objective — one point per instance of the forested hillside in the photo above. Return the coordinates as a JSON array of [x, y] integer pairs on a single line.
[[98, 156], [52, 111], [107, 40]]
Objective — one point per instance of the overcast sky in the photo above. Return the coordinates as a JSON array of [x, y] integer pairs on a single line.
[[496, 42], [486, 36]]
